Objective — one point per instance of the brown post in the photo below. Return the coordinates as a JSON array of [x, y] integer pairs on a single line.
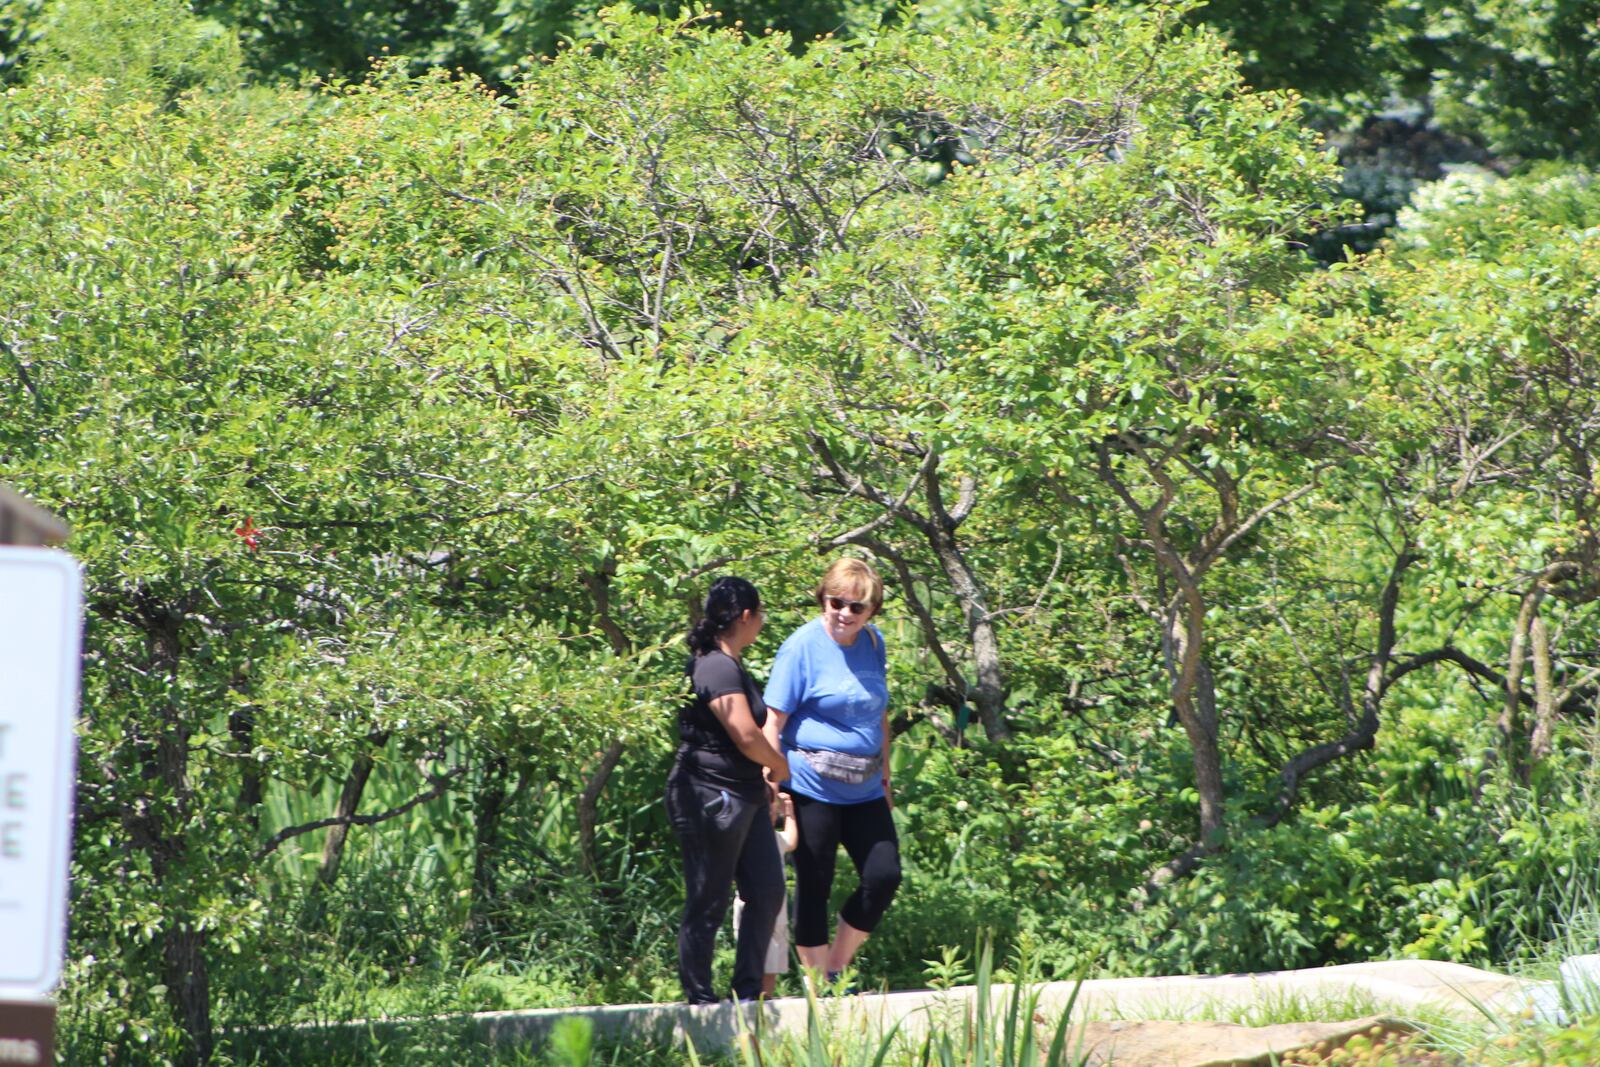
[[25, 523], [27, 1027], [27, 1032]]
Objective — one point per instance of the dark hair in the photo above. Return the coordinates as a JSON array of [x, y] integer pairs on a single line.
[[728, 598]]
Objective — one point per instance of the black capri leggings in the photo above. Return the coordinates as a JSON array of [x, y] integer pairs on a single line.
[[867, 832]]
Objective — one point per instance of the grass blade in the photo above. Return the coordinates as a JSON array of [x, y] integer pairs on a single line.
[[886, 1044], [979, 1031], [1056, 1057]]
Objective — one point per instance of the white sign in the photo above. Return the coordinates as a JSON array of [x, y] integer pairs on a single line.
[[41, 626]]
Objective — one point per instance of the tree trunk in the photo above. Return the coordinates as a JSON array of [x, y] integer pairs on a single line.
[[588, 804], [183, 969], [166, 760], [599, 586], [1544, 697], [1510, 724], [241, 732], [355, 784], [1194, 699], [938, 527], [488, 805], [988, 695], [1363, 733]]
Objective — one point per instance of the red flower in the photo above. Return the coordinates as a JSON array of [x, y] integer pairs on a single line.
[[248, 532]]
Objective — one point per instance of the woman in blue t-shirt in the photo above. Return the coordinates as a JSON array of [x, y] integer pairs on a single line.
[[717, 799], [828, 708]]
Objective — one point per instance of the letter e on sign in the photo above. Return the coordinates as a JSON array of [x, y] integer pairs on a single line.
[[41, 628]]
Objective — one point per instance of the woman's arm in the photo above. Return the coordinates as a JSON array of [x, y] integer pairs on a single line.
[[733, 712], [790, 834], [774, 728], [771, 731]]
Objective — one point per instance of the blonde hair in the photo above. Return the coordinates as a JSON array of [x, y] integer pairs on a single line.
[[854, 577]]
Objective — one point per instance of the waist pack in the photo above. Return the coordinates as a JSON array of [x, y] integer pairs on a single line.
[[843, 767]]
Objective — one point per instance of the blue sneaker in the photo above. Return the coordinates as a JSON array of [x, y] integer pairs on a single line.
[[834, 987]]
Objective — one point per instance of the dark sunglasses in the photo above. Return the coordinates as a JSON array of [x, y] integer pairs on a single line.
[[839, 603]]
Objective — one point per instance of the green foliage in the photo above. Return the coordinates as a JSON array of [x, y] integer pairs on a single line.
[[20, 28], [1567, 1047], [155, 46], [571, 1043], [1010, 1037], [399, 422], [1515, 77], [1326, 49], [1522, 77], [495, 39], [441, 1041], [998, 1027]]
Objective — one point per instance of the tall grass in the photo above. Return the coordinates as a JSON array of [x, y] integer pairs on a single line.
[[994, 1029], [986, 1033], [391, 936]]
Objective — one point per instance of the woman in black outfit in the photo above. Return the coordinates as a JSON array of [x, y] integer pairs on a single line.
[[716, 797]]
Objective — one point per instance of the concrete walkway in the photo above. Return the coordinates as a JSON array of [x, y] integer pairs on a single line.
[[1393, 989]]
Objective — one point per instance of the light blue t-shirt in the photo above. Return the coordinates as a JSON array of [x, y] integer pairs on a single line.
[[835, 697]]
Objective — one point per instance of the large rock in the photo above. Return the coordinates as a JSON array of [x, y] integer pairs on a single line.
[[1210, 1044]]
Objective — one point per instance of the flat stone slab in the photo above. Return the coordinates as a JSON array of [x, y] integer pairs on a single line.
[[1208, 1044], [1133, 1022], [1399, 986], [1103, 1008]]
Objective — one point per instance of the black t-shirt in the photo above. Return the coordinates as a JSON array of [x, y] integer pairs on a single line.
[[707, 750]]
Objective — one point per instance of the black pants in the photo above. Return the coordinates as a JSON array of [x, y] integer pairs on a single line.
[[726, 839], [867, 832]]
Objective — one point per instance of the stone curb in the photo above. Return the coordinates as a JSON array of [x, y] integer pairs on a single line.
[[1398, 987]]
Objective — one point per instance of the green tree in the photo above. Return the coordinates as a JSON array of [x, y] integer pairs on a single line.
[[495, 39], [152, 47], [19, 29], [1500, 273], [400, 424], [310, 525], [1521, 77]]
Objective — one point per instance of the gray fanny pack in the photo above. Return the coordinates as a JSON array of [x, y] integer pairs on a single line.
[[843, 767]]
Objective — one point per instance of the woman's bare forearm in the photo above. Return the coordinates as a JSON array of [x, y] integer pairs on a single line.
[[733, 710]]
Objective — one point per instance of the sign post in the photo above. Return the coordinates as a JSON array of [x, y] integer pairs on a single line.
[[27, 1032], [41, 612]]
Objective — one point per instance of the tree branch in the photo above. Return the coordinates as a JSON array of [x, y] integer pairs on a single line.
[[1209, 556], [857, 486], [1363, 734], [930, 629], [440, 783], [893, 511]]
